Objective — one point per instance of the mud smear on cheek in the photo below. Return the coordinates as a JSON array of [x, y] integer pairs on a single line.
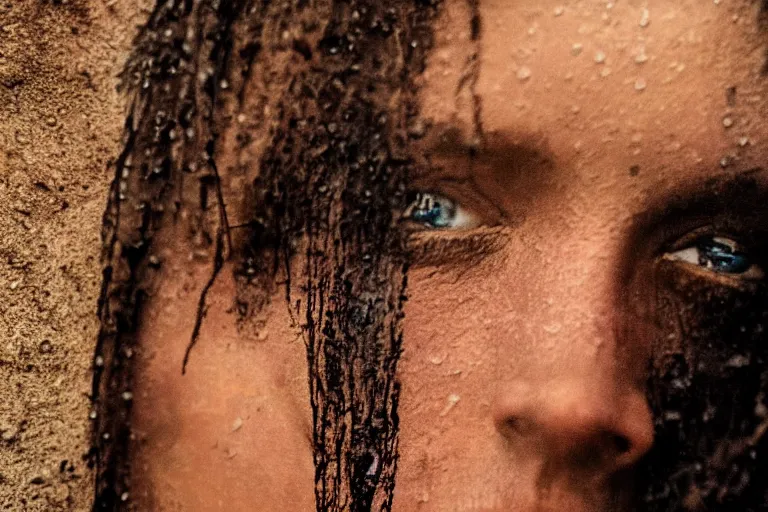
[[707, 392]]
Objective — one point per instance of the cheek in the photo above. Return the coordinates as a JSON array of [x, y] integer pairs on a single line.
[[456, 320], [448, 443], [445, 328]]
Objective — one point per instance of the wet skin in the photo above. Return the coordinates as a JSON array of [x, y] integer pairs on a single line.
[[527, 330]]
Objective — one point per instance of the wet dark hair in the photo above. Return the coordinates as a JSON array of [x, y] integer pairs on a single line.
[[326, 188], [338, 78]]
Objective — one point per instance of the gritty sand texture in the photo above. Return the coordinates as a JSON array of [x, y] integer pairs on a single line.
[[60, 125]]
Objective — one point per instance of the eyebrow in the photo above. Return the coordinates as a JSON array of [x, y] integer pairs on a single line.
[[504, 154], [743, 192]]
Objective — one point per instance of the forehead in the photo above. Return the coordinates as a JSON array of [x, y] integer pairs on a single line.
[[630, 81]]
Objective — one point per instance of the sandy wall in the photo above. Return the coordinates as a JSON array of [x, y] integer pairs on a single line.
[[60, 124]]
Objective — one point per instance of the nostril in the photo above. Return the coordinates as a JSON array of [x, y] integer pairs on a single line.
[[519, 426], [622, 444]]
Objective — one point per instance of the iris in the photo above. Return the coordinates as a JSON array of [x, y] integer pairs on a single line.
[[432, 210], [723, 257]]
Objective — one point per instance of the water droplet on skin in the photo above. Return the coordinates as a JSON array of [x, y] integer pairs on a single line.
[[600, 57], [524, 73], [98, 362], [237, 424], [645, 18], [727, 121], [640, 84], [374, 466], [127, 396], [576, 49], [124, 496], [559, 10], [452, 401], [738, 361], [437, 360], [679, 384], [744, 141]]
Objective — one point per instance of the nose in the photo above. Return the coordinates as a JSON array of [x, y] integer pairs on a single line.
[[577, 425]]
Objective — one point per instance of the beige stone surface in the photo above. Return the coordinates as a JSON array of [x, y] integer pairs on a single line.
[[60, 125]]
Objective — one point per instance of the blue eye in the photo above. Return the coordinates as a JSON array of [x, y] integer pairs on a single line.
[[435, 211], [723, 257], [719, 255]]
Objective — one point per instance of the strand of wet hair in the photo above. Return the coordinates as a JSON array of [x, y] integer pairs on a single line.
[[159, 77]]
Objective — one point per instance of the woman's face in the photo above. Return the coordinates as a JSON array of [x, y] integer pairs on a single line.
[[580, 167]]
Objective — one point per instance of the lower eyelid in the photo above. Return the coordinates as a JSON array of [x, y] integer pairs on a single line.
[[754, 276], [469, 246]]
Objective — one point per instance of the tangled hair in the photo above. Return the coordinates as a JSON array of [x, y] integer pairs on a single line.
[[329, 85]]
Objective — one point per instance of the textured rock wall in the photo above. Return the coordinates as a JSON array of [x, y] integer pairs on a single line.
[[60, 124]]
